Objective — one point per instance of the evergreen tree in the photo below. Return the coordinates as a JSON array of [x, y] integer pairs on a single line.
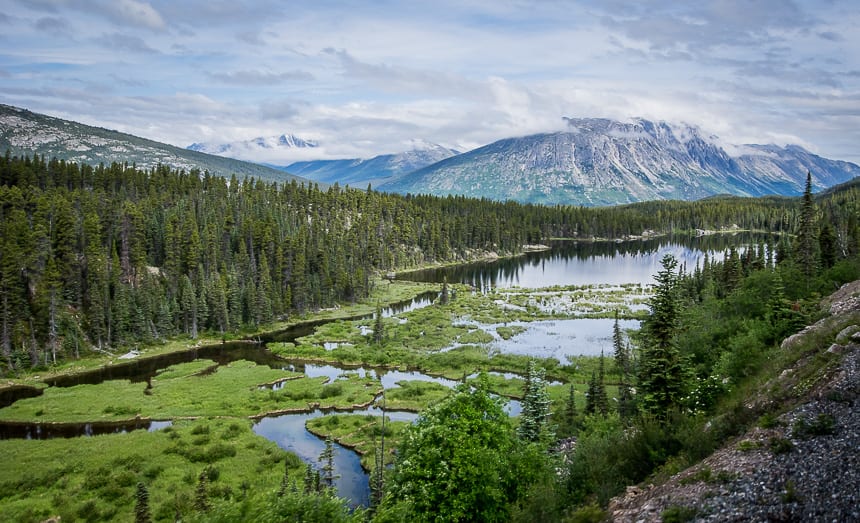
[[805, 240], [378, 326], [570, 419], [327, 475], [201, 496], [662, 375], [141, 505], [534, 417], [444, 298]]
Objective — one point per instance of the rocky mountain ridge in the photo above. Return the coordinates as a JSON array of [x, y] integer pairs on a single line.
[[605, 162], [25, 132]]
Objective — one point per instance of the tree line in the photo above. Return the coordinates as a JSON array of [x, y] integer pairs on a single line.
[[102, 256]]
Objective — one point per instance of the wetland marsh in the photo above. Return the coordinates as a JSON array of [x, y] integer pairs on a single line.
[[272, 399]]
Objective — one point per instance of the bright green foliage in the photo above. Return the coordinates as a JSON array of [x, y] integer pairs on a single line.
[[458, 462], [662, 374]]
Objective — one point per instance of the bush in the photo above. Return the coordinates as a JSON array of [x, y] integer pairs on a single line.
[[822, 425]]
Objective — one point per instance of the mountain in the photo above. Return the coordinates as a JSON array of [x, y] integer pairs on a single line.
[[376, 170], [605, 162], [24, 132], [262, 147]]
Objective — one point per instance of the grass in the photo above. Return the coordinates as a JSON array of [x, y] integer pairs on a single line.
[[180, 391], [97, 476], [414, 395], [361, 433]]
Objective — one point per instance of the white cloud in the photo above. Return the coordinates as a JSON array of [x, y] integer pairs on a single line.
[[364, 77]]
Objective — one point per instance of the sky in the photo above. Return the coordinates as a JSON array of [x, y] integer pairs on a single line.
[[366, 77]]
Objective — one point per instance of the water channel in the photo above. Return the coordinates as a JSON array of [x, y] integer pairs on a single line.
[[567, 263]]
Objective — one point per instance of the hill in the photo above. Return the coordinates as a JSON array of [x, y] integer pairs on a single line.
[[25, 133]]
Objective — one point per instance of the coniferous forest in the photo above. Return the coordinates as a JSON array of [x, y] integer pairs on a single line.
[[101, 256], [107, 257]]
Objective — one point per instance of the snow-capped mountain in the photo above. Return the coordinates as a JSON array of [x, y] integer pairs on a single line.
[[26, 132], [379, 169], [604, 162], [260, 149]]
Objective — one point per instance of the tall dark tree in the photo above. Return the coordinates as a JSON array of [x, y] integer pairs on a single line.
[[141, 505], [378, 326], [662, 374], [805, 240], [534, 417]]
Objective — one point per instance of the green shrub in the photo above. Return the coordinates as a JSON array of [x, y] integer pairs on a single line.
[[678, 514], [780, 445], [822, 425]]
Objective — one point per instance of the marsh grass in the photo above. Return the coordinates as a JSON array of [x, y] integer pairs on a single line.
[[97, 476], [180, 392], [414, 395], [360, 432]]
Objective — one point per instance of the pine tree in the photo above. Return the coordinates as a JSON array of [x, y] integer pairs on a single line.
[[141, 505], [201, 496], [662, 374], [805, 241], [378, 326], [622, 359], [534, 417], [444, 298], [327, 475]]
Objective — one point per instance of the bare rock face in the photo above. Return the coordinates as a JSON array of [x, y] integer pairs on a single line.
[[805, 466]]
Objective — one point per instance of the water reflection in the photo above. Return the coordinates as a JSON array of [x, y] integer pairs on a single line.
[[588, 263]]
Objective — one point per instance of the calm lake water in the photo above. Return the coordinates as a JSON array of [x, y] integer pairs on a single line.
[[587, 263]]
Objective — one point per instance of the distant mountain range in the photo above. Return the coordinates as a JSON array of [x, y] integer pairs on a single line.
[[377, 170], [247, 149], [605, 162], [594, 162], [25, 132]]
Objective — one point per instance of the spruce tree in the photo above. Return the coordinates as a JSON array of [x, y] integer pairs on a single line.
[[327, 475], [141, 505], [661, 370], [534, 417], [378, 326], [201, 496], [805, 240]]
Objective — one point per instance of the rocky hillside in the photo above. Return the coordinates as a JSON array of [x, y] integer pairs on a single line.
[[603, 162], [24, 132], [801, 462]]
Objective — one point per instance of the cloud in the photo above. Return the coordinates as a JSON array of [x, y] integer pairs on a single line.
[[133, 13], [253, 77], [122, 42], [53, 25]]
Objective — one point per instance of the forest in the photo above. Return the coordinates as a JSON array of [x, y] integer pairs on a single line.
[[106, 257], [96, 257]]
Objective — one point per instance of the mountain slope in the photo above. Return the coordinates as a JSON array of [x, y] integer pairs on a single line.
[[604, 162], [25, 132], [376, 170]]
